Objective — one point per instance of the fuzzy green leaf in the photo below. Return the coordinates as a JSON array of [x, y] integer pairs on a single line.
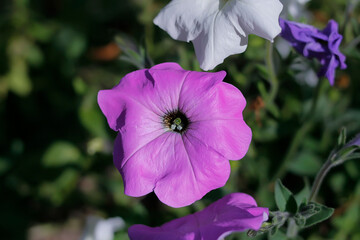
[[284, 199], [323, 214]]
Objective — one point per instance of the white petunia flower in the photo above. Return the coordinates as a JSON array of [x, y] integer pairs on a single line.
[[219, 28], [303, 72], [102, 229], [295, 9]]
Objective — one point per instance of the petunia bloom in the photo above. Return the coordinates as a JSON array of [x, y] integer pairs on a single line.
[[314, 43], [177, 131], [235, 212], [102, 229], [294, 8], [219, 28], [354, 142]]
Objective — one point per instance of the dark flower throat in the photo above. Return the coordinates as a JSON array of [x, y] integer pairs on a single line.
[[176, 121]]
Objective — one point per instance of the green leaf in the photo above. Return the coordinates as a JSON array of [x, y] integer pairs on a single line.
[[302, 196], [5, 165], [284, 199], [60, 154], [273, 109], [58, 190], [322, 214], [346, 153], [305, 164], [342, 137], [279, 235], [91, 117], [309, 210], [273, 231], [262, 90], [352, 156], [300, 220], [264, 72]]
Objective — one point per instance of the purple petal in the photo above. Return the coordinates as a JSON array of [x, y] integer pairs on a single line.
[[216, 118], [354, 142], [167, 66], [234, 212], [167, 87], [230, 138], [331, 27], [205, 97], [142, 169], [193, 173], [114, 102], [328, 69], [313, 43]]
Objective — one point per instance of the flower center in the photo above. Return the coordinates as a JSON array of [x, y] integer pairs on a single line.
[[176, 121]]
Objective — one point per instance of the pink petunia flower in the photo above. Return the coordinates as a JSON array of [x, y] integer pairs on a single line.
[[233, 213], [177, 131]]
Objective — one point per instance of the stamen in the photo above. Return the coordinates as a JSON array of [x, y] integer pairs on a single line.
[[176, 121]]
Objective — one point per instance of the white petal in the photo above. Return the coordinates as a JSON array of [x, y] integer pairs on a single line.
[[260, 17], [220, 39], [219, 28], [295, 9], [265, 217], [183, 19], [105, 229]]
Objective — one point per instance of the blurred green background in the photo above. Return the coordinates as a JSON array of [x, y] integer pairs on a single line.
[[56, 148]]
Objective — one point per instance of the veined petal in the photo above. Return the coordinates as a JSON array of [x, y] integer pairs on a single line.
[[192, 174], [260, 17], [219, 39], [167, 87], [167, 66], [226, 31], [328, 69], [137, 130], [142, 169], [219, 28], [135, 87], [215, 111], [196, 87], [234, 212], [182, 19], [231, 138], [221, 102], [179, 169]]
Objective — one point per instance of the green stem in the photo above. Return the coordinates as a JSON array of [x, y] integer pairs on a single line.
[[300, 134], [272, 74], [314, 101], [295, 143], [320, 178], [332, 161]]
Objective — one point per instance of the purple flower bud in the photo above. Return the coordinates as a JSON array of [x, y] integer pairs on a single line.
[[314, 43], [355, 141]]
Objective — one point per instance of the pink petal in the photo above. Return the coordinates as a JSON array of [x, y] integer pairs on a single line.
[[133, 90], [167, 66], [231, 138], [234, 212], [222, 101], [215, 112], [142, 169], [167, 86], [195, 169]]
